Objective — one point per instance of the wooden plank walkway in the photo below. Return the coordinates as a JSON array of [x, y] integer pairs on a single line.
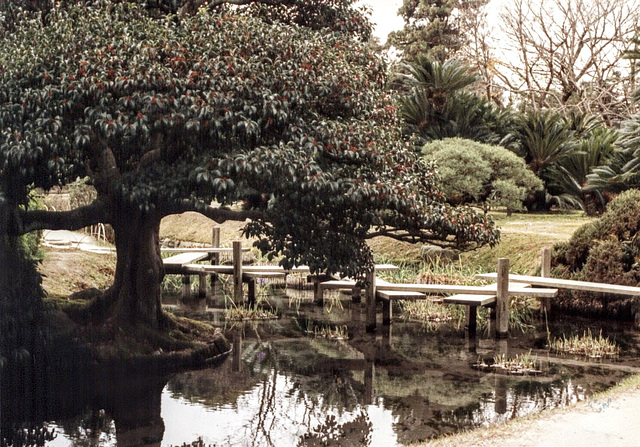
[[198, 268], [568, 284], [183, 259], [475, 290], [470, 300], [201, 249]]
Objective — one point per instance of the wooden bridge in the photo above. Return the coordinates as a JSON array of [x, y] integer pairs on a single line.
[[496, 295]]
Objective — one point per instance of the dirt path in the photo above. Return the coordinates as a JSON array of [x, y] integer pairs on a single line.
[[609, 419]]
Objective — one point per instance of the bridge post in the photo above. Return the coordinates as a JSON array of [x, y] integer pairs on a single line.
[[502, 299], [369, 383], [371, 300], [545, 272], [186, 287], [202, 285], [237, 272], [215, 257]]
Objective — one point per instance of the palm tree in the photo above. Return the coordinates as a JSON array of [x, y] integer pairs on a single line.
[[569, 178], [622, 170], [438, 105], [543, 139]]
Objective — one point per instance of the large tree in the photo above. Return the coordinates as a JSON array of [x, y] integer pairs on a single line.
[[167, 113]]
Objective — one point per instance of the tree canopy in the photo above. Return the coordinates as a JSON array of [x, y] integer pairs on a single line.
[[168, 113]]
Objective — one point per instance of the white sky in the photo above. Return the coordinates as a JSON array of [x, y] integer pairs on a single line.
[[385, 16]]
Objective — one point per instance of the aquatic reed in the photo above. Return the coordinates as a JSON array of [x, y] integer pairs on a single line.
[[586, 345], [520, 364]]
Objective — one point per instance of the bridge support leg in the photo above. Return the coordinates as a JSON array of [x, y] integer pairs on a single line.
[[215, 257], [318, 293], [186, 287], [237, 272], [202, 285], [545, 272], [502, 299], [387, 312], [252, 292], [369, 381], [371, 301], [471, 317], [356, 295]]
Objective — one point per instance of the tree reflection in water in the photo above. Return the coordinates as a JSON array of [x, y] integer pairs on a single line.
[[290, 391], [330, 433], [92, 405], [275, 401]]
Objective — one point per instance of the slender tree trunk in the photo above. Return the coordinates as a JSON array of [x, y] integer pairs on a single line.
[[134, 297]]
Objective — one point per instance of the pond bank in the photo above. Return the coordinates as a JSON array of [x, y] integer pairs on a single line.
[[608, 418]]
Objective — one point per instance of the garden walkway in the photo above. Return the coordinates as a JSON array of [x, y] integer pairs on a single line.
[[609, 419]]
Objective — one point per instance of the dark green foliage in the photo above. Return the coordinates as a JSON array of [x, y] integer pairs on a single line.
[[31, 241], [611, 262], [622, 170], [573, 254], [562, 151], [606, 250], [571, 175], [543, 139]]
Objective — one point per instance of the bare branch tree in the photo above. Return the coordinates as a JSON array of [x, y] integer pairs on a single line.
[[480, 54], [569, 54]]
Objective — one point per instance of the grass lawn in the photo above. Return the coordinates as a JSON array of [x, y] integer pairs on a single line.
[[522, 238]]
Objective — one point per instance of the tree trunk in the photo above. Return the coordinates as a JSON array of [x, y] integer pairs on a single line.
[[134, 297]]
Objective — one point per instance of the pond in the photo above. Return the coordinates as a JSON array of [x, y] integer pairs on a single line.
[[285, 384]]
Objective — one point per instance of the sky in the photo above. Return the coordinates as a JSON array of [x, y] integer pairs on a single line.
[[385, 16]]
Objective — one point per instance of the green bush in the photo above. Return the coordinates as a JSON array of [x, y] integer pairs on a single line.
[[606, 250], [573, 254], [622, 218], [483, 174]]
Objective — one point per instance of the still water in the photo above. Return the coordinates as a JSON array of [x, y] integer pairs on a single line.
[[281, 386]]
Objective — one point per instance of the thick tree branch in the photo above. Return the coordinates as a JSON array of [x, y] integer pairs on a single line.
[[403, 236], [219, 214], [32, 220]]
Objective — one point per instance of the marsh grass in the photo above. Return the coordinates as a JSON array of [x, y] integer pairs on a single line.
[[432, 311], [586, 345], [244, 312], [330, 332], [520, 364], [438, 272]]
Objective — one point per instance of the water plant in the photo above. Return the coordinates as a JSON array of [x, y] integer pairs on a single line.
[[331, 332], [248, 312], [586, 345], [436, 272], [520, 364]]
